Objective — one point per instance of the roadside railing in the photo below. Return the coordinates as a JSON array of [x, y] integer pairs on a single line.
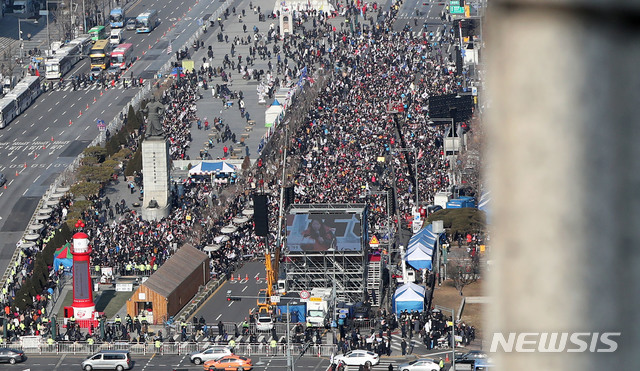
[[169, 348]]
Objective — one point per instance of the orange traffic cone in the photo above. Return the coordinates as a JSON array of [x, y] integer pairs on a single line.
[[5, 186], [446, 359], [87, 105], [94, 99], [25, 165], [44, 147], [80, 114], [70, 122], [17, 173], [52, 139], [232, 278], [35, 156], [100, 92], [246, 278]]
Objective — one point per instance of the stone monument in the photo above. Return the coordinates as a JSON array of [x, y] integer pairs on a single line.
[[155, 165]]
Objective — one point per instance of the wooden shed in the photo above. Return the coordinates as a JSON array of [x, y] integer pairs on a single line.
[[172, 286]]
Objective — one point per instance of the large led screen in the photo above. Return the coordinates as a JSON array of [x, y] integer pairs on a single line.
[[81, 280], [321, 232]]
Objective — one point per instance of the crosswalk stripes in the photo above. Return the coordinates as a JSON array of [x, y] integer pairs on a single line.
[[68, 86]]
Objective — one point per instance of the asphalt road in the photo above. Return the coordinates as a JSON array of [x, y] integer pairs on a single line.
[[217, 308], [172, 362], [40, 143]]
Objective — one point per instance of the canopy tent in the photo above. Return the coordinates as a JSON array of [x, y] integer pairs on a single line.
[[303, 5], [221, 238], [419, 257], [227, 229], [208, 168], [63, 256], [272, 114], [419, 253], [408, 297]]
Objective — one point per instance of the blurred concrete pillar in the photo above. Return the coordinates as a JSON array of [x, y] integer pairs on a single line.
[[564, 169]]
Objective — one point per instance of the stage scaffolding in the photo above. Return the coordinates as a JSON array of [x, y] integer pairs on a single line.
[[305, 270]]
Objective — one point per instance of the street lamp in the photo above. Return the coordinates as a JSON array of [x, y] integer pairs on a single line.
[[415, 166], [35, 21], [290, 364]]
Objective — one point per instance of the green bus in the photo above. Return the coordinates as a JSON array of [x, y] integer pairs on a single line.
[[98, 33]]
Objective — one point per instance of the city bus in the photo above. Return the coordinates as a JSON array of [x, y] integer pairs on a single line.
[[8, 111], [122, 56], [58, 65], [25, 93], [117, 18], [147, 21], [100, 54], [84, 44], [98, 33]]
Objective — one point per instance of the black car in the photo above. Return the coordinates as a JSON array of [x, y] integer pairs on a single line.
[[11, 355], [3, 179]]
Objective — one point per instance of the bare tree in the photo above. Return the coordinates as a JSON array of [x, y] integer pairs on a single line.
[[463, 272]]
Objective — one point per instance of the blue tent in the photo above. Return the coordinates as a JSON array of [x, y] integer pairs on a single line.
[[419, 257], [419, 253], [276, 103], [410, 297]]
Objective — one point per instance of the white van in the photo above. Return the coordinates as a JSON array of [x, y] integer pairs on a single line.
[[116, 36], [108, 360]]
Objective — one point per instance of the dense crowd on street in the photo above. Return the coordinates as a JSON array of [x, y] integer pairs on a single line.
[[338, 148]]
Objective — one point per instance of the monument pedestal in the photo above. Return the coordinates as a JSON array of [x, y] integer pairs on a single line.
[[155, 178]]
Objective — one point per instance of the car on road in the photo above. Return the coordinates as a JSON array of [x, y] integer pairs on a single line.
[[108, 360], [420, 364], [472, 354], [211, 353], [96, 72], [358, 357], [131, 24], [3, 179], [230, 363], [11, 356], [264, 322]]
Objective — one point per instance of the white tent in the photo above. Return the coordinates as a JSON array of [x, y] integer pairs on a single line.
[[302, 5], [409, 296], [419, 257], [272, 115], [209, 168]]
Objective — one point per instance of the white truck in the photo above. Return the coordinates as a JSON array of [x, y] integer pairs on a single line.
[[319, 306]]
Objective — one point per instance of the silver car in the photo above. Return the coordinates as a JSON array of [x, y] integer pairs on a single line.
[[131, 24], [108, 360], [421, 364], [210, 354]]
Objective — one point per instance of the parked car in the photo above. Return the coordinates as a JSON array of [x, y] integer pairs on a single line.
[[264, 322], [11, 355], [211, 353], [231, 363], [3, 179], [358, 358], [421, 364]]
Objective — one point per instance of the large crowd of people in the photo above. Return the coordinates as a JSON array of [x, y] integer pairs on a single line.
[[349, 146]]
